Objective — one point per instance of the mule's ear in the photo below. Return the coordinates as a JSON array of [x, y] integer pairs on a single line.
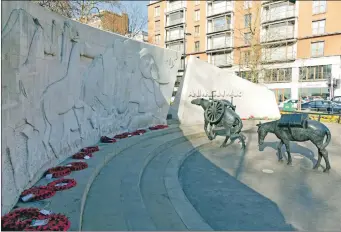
[[259, 124]]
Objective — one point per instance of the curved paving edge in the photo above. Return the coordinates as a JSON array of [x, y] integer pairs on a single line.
[[191, 218], [110, 156], [71, 202]]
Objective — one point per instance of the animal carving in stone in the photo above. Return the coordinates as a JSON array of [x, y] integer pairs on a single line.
[[297, 128], [151, 76]]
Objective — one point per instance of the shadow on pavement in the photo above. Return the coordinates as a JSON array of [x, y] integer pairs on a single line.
[[226, 203], [294, 148]]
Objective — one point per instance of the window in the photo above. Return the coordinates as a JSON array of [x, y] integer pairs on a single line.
[[247, 20], [247, 38], [317, 49], [248, 75], [247, 4], [319, 27], [246, 57], [313, 73], [221, 59], [319, 6], [196, 30], [278, 75], [197, 15], [197, 3], [157, 39], [157, 11], [197, 46], [157, 25]]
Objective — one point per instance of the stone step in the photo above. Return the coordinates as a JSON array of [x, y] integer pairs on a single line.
[[115, 191], [71, 202], [153, 189]]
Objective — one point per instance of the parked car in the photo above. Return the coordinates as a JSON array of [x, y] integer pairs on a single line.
[[337, 99], [322, 105], [281, 104]]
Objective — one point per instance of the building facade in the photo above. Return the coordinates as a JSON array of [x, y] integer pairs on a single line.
[[292, 47], [109, 21]]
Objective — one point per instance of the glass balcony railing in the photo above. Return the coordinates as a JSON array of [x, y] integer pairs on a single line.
[[221, 62], [219, 46], [219, 9], [276, 35], [273, 55], [174, 37], [278, 14], [176, 5], [212, 29], [175, 21]]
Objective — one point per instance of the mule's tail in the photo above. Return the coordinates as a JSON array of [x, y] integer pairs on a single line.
[[329, 137]]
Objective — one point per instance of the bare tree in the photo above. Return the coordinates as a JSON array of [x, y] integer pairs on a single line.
[[81, 10], [137, 19], [254, 54]]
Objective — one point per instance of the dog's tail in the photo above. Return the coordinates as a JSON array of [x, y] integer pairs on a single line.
[[329, 137]]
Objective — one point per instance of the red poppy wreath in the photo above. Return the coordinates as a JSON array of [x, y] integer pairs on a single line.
[[59, 171], [37, 193], [62, 184]]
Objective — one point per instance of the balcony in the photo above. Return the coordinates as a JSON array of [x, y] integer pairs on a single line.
[[176, 36], [175, 21], [219, 8], [277, 36], [219, 46], [278, 13], [214, 29], [174, 6], [176, 46], [222, 62], [278, 54]]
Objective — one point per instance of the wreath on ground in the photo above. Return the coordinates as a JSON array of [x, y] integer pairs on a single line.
[[77, 166], [37, 193], [157, 127], [90, 149], [21, 219], [138, 132], [122, 136], [59, 171], [56, 222], [105, 139], [81, 155], [62, 184]]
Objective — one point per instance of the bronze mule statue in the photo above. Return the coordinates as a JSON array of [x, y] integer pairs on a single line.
[[311, 130], [229, 125]]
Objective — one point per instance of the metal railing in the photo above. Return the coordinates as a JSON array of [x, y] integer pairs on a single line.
[[324, 117]]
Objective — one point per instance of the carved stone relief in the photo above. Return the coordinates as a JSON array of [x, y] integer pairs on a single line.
[[62, 90]]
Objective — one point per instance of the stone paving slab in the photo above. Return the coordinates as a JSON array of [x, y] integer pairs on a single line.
[[238, 195], [120, 179], [155, 195]]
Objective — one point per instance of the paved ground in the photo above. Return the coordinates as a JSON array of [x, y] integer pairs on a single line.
[[230, 191]]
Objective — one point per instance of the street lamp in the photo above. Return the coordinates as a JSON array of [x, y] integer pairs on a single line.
[[184, 54]]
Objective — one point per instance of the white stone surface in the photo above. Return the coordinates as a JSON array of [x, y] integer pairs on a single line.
[[64, 84], [201, 78]]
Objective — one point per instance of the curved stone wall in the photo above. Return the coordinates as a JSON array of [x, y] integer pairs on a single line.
[[64, 84]]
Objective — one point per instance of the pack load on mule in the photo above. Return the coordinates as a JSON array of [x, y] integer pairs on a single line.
[[220, 115]]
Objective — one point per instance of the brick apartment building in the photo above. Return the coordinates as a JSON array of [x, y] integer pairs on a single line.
[[110, 21], [294, 46]]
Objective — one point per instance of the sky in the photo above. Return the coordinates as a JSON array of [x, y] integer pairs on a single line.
[[141, 7]]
